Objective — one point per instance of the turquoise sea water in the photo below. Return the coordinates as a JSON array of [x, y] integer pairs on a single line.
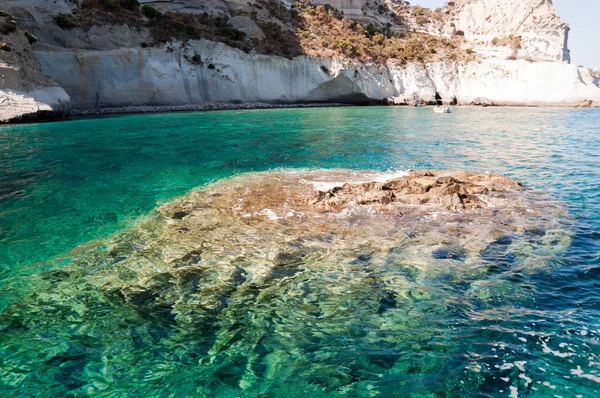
[[63, 184]]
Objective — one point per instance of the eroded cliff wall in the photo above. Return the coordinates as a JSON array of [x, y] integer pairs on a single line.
[[512, 28], [518, 52], [25, 93], [166, 76]]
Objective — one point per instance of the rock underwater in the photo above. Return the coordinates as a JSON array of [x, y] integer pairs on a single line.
[[283, 267], [245, 233]]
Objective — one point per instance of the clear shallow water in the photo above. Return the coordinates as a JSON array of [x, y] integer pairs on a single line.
[[62, 184]]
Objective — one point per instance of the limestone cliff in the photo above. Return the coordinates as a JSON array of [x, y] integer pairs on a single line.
[[516, 48], [513, 28], [165, 76], [25, 93], [596, 76]]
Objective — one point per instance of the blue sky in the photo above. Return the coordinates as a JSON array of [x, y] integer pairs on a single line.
[[583, 17]]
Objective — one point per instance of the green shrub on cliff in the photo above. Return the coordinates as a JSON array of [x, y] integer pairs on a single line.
[[9, 26], [111, 5], [232, 33], [278, 41], [418, 10], [325, 32], [150, 12], [30, 38], [101, 12], [304, 29], [63, 21], [184, 26]]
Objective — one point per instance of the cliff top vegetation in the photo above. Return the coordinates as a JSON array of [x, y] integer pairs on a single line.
[[303, 29]]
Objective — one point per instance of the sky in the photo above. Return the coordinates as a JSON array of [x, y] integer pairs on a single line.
[[583, 18]]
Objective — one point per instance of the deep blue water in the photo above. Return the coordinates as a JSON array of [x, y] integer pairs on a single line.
[[63, 184]]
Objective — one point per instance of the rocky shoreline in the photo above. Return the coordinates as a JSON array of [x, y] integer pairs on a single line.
[[228, 106], [213, 106]]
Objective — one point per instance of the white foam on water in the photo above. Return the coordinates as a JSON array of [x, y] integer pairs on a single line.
[[364, 178], [528, 381], [547, 384], [475, 367], [559, 354], [579, 373], [520, 365]]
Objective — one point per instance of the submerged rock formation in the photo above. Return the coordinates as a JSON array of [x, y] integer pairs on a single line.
[[246, 232], [293, 269], [25, 93]]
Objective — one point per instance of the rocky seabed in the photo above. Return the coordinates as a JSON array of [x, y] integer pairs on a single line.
[[260, 280]]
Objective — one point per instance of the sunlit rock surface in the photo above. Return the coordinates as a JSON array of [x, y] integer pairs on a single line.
[[462, 191], [164, 76], [26, 94], [504, 28], [107, 66]]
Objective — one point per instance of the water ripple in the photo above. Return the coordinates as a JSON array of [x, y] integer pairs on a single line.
[[534, 333]]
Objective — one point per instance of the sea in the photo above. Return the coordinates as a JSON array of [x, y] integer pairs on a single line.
[[69, 186]]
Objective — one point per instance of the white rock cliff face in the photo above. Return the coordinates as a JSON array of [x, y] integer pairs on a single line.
[[350, 8], [542, 32], [106, 67], [25, 94], [33, 105], [161, 76]]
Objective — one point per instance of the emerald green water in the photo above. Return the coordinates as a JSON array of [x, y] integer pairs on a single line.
[[63, 184]]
